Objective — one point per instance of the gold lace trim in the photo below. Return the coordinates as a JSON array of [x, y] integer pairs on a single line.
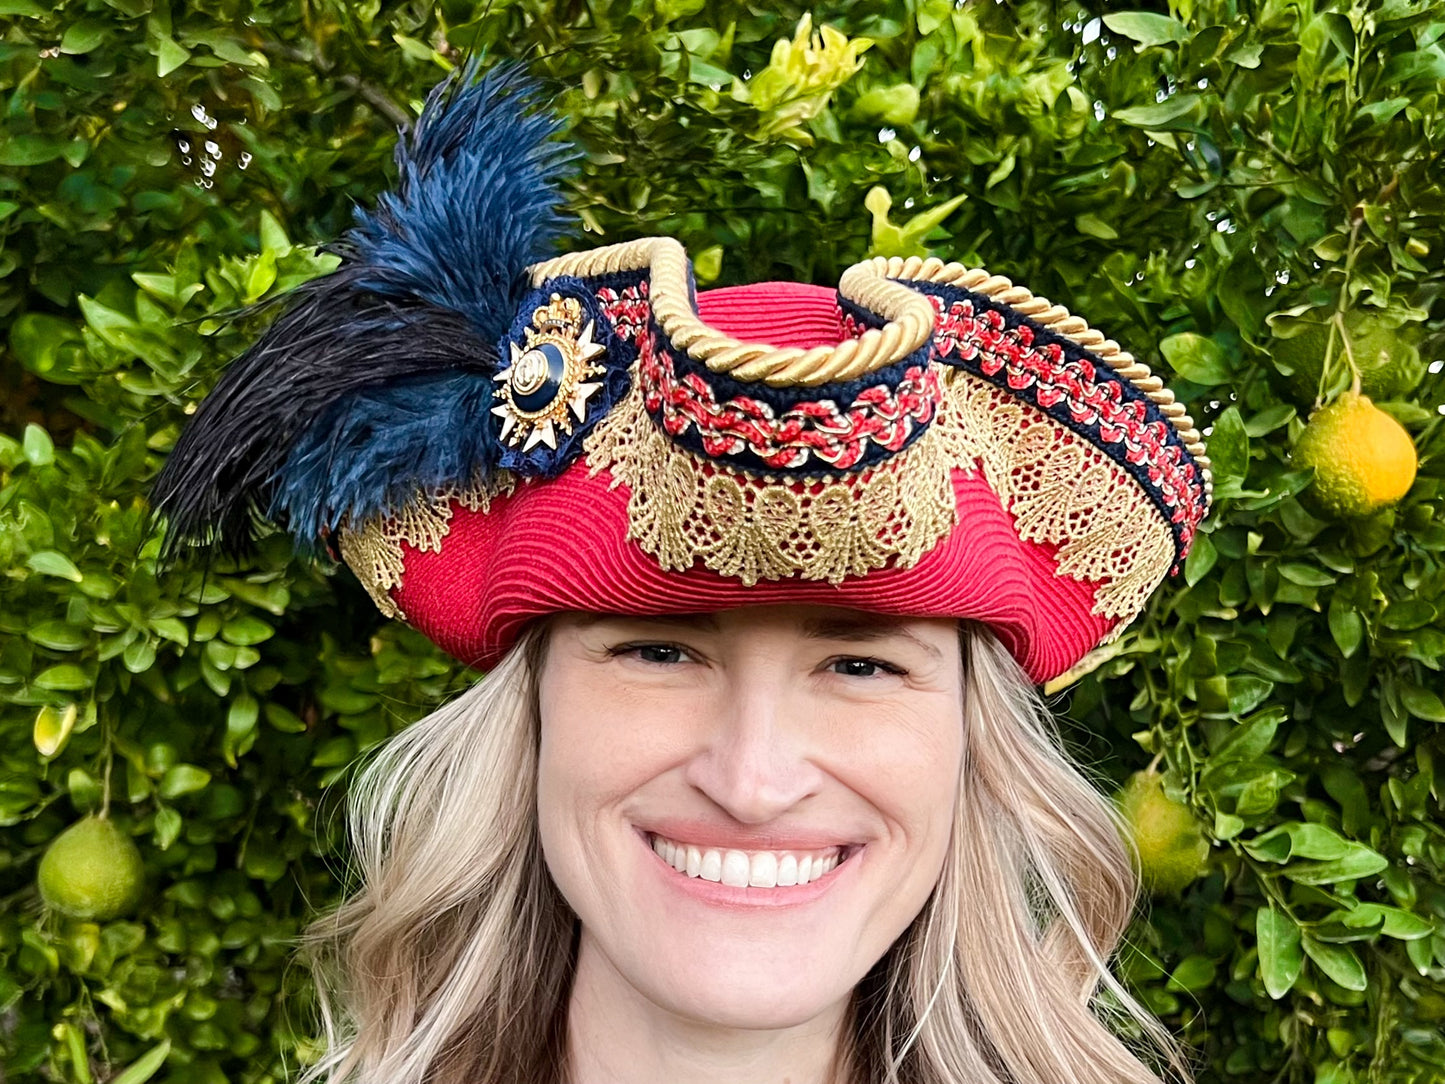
[[373, 551], [682, 508], [1059, 489]]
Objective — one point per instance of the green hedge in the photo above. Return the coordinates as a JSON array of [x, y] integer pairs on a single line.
[[1176, 176]]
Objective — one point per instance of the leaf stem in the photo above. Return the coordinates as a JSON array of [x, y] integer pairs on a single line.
[[109, 761]]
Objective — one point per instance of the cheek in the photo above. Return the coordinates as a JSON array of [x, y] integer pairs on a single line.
[[598, 741], [597, 748], [907, 766]]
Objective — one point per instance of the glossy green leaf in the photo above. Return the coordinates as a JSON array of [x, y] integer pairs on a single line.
[[1359, 861], [1346, 627], [1422, 703], [52, 563], [63, 678], [169, 56], [1196, 358], [144, 1067], [38, 448], [1146, 28], [1281, 953], [183, 779], [83, 36], [52, 728], [58, 635], [1163, 114], [1338, 962], [1193, 973], [1229, 449]]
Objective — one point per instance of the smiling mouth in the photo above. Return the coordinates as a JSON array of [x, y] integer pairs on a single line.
[[749, 869]]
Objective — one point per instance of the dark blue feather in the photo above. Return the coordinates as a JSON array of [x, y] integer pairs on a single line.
[[375, 382], [369, 447], [475, 201]]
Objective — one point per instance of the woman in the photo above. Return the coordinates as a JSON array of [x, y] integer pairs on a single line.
[[757, 786]]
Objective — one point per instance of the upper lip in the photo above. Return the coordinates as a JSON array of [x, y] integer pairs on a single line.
[[711, 835]]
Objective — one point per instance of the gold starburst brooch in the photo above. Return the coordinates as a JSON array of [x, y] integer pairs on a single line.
[[548, 377]]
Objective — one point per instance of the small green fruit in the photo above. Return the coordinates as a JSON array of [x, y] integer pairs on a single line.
[[1388, 357], [1171, 850], [93, 871]]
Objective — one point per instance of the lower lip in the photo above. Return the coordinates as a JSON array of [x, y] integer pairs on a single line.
[[745, 899]]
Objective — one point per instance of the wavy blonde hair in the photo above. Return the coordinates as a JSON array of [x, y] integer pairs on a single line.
[[452, 963]]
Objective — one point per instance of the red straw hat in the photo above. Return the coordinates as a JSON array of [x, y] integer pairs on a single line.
[[590, 433]]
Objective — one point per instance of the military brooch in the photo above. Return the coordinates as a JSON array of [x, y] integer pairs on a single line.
[[548, 377]]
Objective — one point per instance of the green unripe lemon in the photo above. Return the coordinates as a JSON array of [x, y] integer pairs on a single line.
[[1388, 357], [1171, 850], [1364, 459], [93, 871]]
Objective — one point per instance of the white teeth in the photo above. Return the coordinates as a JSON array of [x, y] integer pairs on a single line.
[[764, 871], [735, 869], [742, 869]]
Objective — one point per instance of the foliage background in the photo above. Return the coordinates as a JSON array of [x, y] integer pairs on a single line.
[[1176, 175]]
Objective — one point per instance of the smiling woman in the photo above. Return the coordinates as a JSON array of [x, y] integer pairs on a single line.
[[775, 843], [757, 786]]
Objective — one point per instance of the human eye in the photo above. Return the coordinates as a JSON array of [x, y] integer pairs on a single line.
[[657, 653], [855, 666]]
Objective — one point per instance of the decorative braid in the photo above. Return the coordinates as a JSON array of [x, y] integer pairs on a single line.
[[1060, 321], [874, 284]]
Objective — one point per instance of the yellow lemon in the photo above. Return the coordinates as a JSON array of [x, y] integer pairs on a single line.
[[92, 870], [1171, 849], [1363, 458]]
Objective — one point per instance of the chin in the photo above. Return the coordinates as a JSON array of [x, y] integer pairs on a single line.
[[760, 997]]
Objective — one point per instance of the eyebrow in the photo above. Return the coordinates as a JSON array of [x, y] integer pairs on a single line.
[[869, 629], [864, 630], [704, 621]]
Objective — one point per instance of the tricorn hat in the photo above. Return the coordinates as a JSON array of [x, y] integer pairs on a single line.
[[488, 435]]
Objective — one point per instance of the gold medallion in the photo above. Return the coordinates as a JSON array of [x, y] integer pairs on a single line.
[[546, 383]]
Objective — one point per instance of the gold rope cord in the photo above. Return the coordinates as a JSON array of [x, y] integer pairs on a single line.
[[373, 551], [874, 285], [909, 314]]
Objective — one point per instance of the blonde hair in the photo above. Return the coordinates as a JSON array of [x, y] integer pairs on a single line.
[[452, 963]]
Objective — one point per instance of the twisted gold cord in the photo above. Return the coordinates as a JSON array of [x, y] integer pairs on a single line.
[[874, 284]]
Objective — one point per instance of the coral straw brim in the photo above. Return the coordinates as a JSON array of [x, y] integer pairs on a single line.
[[563, 546]]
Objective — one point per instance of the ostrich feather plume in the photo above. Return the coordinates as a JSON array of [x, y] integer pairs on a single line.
[[375, 382]]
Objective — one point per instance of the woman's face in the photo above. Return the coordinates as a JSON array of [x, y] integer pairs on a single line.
[[745, 809]]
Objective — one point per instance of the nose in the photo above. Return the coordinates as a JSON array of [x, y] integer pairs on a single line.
[[754, 760]]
